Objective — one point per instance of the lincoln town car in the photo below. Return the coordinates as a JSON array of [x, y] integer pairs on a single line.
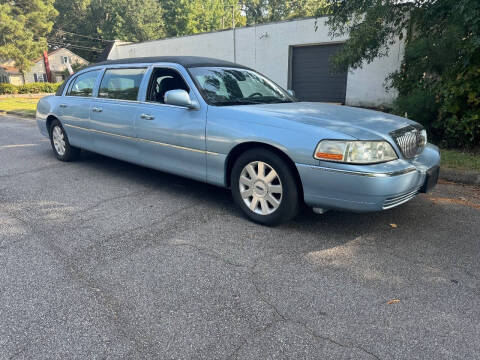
[[225, 124]]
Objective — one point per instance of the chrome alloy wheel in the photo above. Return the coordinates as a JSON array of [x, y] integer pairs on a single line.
[[260, 188], [58, 138]]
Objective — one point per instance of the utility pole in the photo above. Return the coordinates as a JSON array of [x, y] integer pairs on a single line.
[[234, 39]]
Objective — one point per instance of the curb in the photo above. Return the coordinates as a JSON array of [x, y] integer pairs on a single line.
[[17, 114], [468, 177]]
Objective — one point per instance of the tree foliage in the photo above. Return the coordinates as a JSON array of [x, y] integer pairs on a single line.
[[184, 17], [127, 20], [261, 11], [24, 25], [439, 79]]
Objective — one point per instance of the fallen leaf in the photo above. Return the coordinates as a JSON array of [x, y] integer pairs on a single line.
[[394, 301], [394, 226]]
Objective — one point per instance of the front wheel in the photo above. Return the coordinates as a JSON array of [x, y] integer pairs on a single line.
[[60, 144], [264, 187]]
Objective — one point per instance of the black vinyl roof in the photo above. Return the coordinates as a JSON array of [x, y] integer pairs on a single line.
[[185, 61]]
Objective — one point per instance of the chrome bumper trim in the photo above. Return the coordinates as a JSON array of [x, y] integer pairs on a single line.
[[400, 199], [368, 174]]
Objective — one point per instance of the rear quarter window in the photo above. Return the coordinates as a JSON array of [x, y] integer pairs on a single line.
[[83, 84]]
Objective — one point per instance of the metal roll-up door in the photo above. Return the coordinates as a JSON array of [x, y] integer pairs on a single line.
[[313, 78]]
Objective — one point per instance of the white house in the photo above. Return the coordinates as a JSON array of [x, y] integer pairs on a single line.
[[295, 54], [57, 60]]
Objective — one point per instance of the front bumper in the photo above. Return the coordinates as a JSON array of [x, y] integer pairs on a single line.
[[364, 188]]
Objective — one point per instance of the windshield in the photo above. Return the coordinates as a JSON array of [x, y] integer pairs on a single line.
[[233, 86]]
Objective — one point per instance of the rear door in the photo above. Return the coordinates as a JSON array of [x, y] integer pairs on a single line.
[[112, 114], [75, 109]]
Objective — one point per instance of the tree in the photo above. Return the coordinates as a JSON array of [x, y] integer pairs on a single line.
[[184, 17], [438, 82], [260, 11], [88, 26], [24, 25], [128, 20]]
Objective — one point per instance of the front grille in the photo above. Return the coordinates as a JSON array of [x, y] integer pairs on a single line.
[[411, 140], [400, 199]]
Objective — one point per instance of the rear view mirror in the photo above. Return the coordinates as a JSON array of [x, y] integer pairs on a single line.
[[291, 92], [179, 98]]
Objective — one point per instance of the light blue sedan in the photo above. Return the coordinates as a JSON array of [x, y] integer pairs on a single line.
[[227, 125]]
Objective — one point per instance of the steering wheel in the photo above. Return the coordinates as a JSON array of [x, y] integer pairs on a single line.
[[255, 94]]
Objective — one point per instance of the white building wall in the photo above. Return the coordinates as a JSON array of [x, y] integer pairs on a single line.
[[266, 48]]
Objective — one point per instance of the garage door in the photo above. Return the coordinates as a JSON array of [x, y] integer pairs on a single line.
[[312, 76]]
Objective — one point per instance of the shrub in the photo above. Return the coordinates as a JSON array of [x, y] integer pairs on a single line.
[[35, 88], [32, 88], [8, 89], [458, 121]]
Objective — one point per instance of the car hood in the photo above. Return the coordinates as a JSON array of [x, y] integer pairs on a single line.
[[359, 123]]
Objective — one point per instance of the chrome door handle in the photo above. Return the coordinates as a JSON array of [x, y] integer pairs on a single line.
[[96, 109], [147, 117], [63, 105]]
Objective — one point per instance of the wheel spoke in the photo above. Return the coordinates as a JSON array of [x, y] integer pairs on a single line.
[[272, 200], [264, 206], [245, 181], [251, 171], [253, 204], [261, 169], [247, 193], [271, 176], [275, 189]]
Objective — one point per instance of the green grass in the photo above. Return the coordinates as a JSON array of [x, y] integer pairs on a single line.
[[25, 106], [458, 159]]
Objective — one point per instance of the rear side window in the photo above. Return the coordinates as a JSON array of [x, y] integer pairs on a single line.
[[83, 84], [122, 84]]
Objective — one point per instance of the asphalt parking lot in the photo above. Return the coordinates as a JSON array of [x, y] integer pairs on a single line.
[[101, 259]]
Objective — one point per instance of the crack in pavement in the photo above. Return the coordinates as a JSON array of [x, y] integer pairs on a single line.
[[113, 198], [208, 253], [108, 302], [285, 318]]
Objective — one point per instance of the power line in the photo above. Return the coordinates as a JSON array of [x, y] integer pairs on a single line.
[[85, 36], [74, 46], [85, 42]]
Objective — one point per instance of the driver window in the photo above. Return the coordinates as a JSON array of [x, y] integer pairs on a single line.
[[163, 80]]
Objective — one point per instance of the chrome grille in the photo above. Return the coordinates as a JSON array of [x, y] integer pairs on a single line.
[[400, 199], [411, 140]]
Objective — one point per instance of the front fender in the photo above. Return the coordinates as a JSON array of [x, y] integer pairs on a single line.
[[228, 128]]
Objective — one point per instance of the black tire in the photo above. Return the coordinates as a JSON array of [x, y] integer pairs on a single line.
[[71, 153], [289, 200]]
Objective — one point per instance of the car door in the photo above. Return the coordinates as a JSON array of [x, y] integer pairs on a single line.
[[113, 111], [171, 138], [75, 109]]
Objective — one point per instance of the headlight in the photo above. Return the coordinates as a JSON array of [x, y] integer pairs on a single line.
[[356, 152]]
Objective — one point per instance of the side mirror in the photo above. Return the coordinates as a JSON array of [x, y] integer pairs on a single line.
[[291, 92], [179, 98]]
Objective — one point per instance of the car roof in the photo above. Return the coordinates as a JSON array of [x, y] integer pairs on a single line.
[[185, 61]]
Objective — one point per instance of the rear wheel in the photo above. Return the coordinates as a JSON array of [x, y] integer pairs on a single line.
[[264, 187], [60, 144]]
